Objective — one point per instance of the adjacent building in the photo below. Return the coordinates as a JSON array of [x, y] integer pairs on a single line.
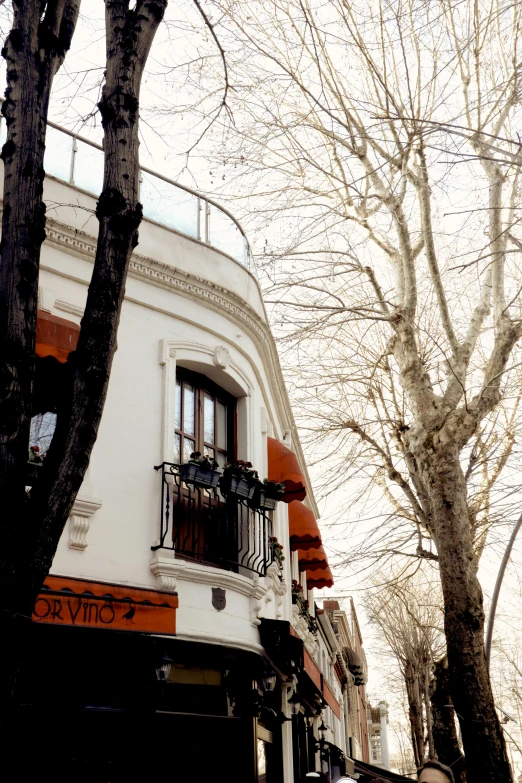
[[377, 712]]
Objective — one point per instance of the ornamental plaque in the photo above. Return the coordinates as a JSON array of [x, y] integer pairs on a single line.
[[219, 598]]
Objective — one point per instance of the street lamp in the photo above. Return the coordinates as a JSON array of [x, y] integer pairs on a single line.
[[498, 585], [163, 667], [295, 703], [269, 681], [323, 728]]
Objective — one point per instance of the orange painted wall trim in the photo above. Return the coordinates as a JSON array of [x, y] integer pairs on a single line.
[[311, 669], [331, 700], [65, 601]]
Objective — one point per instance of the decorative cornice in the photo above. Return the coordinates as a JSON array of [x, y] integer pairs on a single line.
[[223, 640]]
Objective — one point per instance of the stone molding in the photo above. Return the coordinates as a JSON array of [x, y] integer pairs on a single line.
[[300, 625], [168, 570], [226, 640]]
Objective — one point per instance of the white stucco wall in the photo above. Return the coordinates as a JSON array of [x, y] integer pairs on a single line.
[[184, 300]]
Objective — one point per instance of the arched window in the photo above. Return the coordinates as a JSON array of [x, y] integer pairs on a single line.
[[204, 419]]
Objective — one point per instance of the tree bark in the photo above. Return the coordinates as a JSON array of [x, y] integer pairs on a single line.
[[34, 51], [427, 708], [415, 712], [41, 518], [486, 755], [444, 729]]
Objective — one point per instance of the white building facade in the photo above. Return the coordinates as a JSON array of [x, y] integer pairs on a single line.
[[168, 621]]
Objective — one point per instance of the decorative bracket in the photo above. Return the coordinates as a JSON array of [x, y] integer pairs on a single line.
[[83, 509], [166, 569], [256, 596], [279, 588]]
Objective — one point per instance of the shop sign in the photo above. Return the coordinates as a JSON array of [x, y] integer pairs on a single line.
[[64, 601]]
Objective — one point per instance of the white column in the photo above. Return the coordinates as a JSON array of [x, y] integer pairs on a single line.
[[288, 756], [385, 752]]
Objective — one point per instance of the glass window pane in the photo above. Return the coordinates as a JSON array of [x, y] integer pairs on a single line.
[[188, 409], [225, 235], [221, 425], [188, 447], [58, 154], [208, 421], [177, 406], [169, 205], [176, 457], [209, 452], [221, 459], [261, 761], [88, 168], [42, 430]]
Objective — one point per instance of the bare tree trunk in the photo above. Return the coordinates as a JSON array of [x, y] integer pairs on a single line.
[[444, 729], [40, 519], [34, 51], [428, 712], [415, 713], [464, 620]]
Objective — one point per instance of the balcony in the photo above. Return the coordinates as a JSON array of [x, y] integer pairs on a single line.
[[200, 525], [79, 162]]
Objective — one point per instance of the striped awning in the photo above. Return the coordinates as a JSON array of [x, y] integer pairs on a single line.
[[303, 528], [283, 467]]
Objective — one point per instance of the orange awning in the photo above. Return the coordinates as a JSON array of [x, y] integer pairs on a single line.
[[318, 579], [284, 468], [55, 336], [312, 559], [304, 532]]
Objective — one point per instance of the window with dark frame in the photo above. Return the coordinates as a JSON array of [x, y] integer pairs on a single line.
[[204, 418]]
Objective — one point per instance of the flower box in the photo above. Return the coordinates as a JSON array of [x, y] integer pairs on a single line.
[[194, 474], [265, 500], [237, 486]]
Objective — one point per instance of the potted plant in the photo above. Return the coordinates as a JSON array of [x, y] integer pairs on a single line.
[[200, 471], [239, 479], [277, 551], [34, 463], [297, 591], [267, 495]]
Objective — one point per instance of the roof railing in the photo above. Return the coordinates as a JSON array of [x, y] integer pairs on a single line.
[[79, 161]]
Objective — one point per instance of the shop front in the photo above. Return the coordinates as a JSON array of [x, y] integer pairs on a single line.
[[107, 694]]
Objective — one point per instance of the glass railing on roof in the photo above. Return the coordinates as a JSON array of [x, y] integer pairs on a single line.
[[80, 162]]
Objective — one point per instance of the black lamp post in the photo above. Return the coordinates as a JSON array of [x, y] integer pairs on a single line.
[[295, 703], [163, 667], [269, 681]]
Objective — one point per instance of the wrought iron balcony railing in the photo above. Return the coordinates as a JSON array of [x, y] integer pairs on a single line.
[[202, 525]]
